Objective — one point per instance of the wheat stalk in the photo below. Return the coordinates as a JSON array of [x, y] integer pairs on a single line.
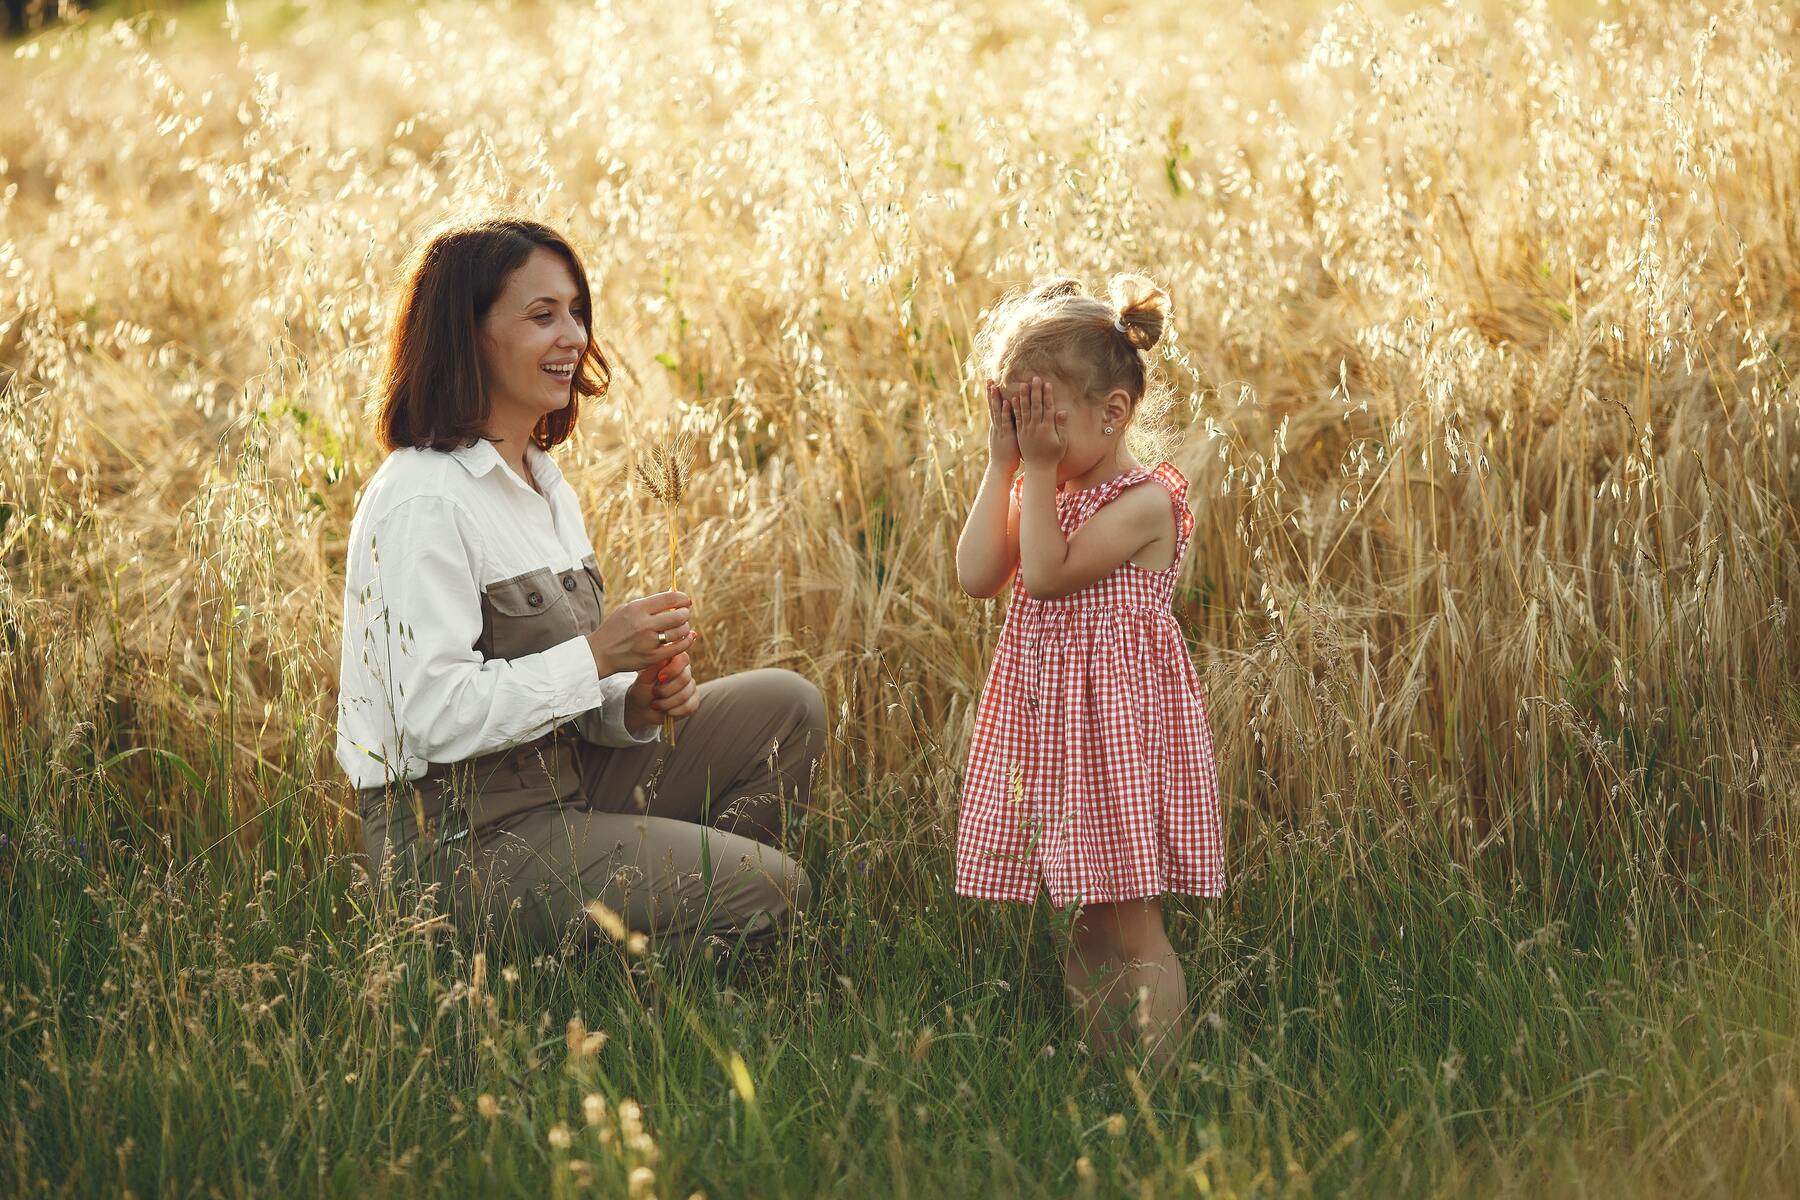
[[666, 479]]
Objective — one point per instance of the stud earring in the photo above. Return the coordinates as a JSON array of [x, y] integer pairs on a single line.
[[1107, 430]]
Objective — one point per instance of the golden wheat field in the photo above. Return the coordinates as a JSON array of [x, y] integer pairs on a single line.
[[1484, 338]]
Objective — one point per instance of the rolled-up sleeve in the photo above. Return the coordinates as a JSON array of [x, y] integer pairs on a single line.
[[420, 618], [605, 725]]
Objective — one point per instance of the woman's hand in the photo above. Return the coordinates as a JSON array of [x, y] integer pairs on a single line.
[[1041, 438], [661, 694], [644, 634], [1003, 439]]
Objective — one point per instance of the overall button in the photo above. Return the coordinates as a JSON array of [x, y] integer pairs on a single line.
[[535, 599], [568, 583]]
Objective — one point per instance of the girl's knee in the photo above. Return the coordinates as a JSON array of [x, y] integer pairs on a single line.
[[1127, 928]]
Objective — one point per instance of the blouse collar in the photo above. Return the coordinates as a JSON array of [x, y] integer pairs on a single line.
[[481, 458]]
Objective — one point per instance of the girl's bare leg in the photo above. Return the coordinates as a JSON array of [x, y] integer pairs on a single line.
[[1125, 981], [1090, 974]]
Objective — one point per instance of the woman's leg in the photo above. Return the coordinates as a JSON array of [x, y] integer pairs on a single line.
[[678, 840], [676, 881], [633, 832], [1124, 978], [745, 756]]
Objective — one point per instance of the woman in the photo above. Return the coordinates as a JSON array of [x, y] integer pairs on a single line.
[[500, 726]]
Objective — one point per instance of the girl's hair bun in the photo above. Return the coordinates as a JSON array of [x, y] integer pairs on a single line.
[[1143, 309], [1055, 288]]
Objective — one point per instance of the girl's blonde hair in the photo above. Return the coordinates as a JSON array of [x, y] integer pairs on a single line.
[[1094, 345]]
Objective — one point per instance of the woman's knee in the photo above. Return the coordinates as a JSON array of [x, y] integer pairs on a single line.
[[795, 694], [802, 706]]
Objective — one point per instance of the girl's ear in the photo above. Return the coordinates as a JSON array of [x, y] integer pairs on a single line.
[[1117, 406]]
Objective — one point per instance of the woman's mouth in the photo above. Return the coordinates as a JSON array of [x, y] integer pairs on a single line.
[[562, 371]]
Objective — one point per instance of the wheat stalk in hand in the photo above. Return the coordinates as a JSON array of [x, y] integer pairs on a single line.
[[666, 479]]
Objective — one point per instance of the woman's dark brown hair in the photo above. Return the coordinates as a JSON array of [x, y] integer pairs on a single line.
[[432, 392]]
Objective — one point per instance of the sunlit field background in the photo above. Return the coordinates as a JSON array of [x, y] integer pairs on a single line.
[[1484, 364]]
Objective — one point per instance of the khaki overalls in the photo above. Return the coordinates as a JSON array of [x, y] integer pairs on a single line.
[[679, 842]]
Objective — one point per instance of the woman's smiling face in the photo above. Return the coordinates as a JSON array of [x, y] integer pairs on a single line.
[[532, 338]]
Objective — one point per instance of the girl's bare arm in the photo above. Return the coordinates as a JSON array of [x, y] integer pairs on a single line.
[[987, 553], [1053, 565]]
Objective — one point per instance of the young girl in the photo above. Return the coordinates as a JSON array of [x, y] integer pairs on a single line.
[[1091, 768]]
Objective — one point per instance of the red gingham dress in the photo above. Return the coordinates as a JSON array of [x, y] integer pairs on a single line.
[[1091, 768]]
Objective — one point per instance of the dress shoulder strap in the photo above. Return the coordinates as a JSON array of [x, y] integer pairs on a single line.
[[1176, 484], [1118, 483]]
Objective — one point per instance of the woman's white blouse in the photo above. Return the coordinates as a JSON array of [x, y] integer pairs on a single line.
[[433, 529]]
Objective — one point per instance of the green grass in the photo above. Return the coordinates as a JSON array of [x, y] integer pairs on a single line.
[[1509, 753], [1370, 1019]]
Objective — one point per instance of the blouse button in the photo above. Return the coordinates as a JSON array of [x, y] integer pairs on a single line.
[[535, 599], [568, 583]]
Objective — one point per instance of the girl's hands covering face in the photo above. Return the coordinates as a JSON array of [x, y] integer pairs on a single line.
[[1043, 437], [1003, 438]]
